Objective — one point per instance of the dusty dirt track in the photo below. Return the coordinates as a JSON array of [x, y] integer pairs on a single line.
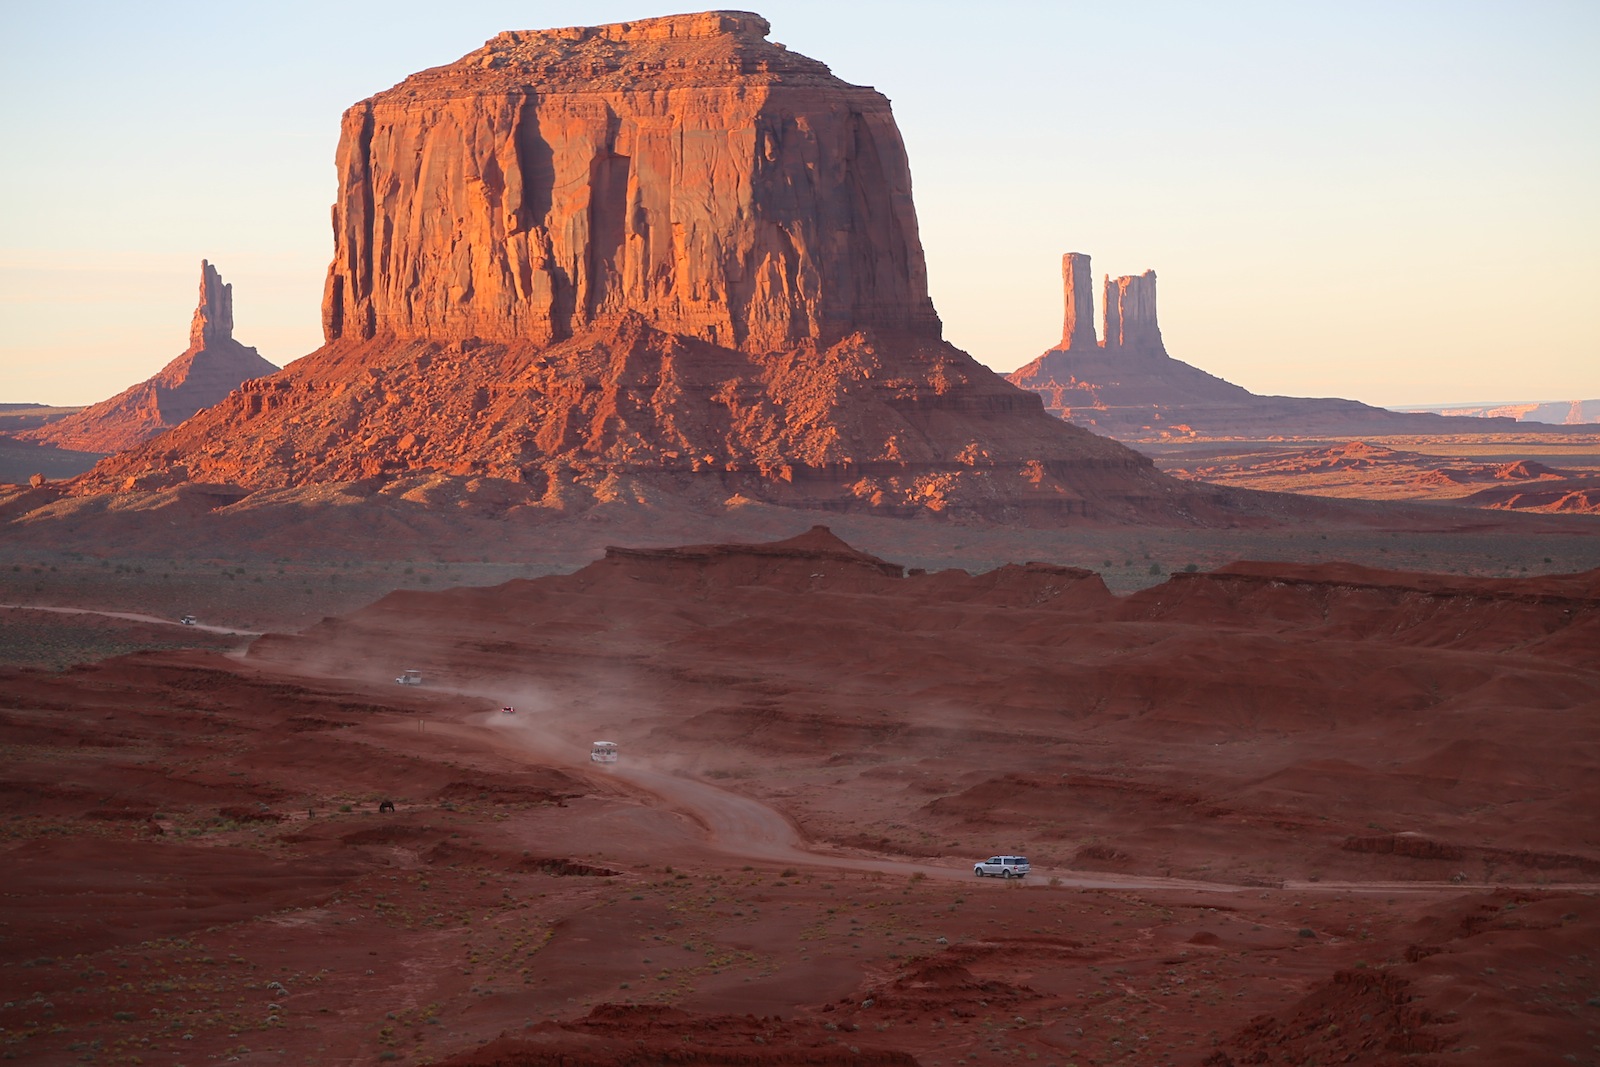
[[135, 616], [1276, 815]]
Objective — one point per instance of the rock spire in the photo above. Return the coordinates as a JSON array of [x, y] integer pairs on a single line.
[[213, 366], [1130, 314], [213, 317], [1077, 284], [1131, 389]]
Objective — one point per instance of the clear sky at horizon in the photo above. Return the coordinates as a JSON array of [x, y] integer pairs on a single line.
[[1395, 202]]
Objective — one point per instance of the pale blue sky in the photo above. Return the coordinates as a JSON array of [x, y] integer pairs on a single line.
[[1396, 202]]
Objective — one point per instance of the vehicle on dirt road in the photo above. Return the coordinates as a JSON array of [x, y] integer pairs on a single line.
[[189, 620], [1002, 867], [604, 752], [410, 678]]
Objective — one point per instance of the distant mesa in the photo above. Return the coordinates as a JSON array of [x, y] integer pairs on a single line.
[[684, 169], [15, 418], [1360, 469], [1555, 412], [213, 366], [654, 261], [1127, 387]]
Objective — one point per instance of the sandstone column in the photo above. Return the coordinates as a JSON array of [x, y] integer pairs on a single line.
[[1077, 284], [1130, 314], [213, 316]]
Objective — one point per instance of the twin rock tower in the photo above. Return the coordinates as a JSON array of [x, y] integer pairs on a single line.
[[1130, 310]]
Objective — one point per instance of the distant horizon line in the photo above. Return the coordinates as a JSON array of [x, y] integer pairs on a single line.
[[1486, 404]]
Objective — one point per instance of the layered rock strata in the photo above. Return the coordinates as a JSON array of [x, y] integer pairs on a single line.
[[213, 366], [683, 168]]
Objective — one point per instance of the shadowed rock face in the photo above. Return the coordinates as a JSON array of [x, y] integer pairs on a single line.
[[684, 168], [213, 366]]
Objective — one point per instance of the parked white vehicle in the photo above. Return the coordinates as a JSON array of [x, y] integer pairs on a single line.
[[1002, 867]]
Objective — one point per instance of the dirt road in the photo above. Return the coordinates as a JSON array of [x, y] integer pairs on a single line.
[[133, 616], [742, 827]]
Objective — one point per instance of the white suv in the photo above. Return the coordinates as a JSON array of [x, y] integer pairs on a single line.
[[1002, 867]]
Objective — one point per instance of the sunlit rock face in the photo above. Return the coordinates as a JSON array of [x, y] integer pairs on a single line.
[[1077, 292], [685, 168], [1130, 313]]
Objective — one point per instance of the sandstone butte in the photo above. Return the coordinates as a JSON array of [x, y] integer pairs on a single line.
[[213, 366], [666, 256], [1128, 387]]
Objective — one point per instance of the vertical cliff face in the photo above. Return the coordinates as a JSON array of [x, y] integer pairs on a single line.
[[681, 168], [1077, 285], [1130, 310], [213, 316]]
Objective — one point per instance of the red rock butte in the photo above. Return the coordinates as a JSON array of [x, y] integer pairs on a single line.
[[664, 262], [684, 168]]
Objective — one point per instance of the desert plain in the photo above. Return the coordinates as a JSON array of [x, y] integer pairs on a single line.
[[635, 422], [1276, 813]]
